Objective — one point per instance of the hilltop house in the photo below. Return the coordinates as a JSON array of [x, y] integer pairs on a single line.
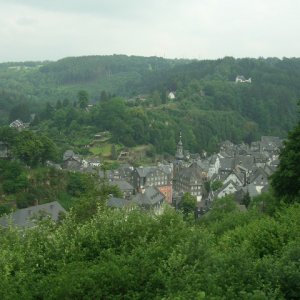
[[242, 79], [18, 124]]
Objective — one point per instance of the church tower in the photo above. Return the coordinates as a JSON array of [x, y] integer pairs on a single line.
[[178, 163], [179, 151]]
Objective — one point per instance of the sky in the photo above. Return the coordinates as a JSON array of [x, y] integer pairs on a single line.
[[39, 30]]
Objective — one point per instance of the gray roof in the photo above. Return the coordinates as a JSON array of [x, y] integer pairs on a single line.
[[145, 171], [246, 161], [225, 186], [251, 189], [118, 202], [203, 164], [150, 197], [269, 170], [69, 154], [259, 175], [166, 168], [193, 172], [226, 163], [122, 185], [273, 141], [26, 217]]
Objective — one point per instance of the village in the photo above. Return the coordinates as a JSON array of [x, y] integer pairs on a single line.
[[241, 170]]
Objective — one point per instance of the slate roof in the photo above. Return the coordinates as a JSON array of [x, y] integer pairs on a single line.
[[150, 197], [269, 170], [118, 202], [239, 175], [26, 217], [192, 173], [271, 141], [122, 185], [259, 175], [70, 154], [203, 164], [145, 171], [226, 163], [246, 161], [251, 189], [218, 191]]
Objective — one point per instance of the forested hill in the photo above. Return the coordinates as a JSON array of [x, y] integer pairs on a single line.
[[209, 105], [116, 74]]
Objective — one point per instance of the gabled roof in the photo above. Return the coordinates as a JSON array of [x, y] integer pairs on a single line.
[[259, 174], [26, 217], [118, 202], [251, 189], [150, 197], [226, 163], [122, 185], [239, 175], [17, 124], [246, 161], [269, 169], [203, 164], [145, 171], [192, 173], [70, 154], [230, 182]]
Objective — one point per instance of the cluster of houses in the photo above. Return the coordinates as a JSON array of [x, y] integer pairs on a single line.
[[241, 170]]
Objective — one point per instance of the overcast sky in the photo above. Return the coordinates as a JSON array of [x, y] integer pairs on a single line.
[[53, 29]]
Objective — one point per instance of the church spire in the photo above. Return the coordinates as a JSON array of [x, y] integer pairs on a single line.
[[179, 151]]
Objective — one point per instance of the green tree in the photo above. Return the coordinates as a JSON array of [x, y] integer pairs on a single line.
[[114, 153], [286, 179], [187, 204], [58, 104], [20, 111], [216, 185], [83, 98], [103, 96]]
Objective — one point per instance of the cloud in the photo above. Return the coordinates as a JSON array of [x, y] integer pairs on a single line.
[[37, 29]]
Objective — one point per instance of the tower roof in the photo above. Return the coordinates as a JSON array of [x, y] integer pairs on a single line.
[[179, 151]]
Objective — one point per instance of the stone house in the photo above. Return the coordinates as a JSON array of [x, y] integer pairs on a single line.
[[153, 176], [190, 180], [150, 198]]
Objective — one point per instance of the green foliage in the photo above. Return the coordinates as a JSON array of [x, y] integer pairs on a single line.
[[79, 184], [13, 177], [102, 257], [34, 149], [209, 107], [286, 179], [83, 99], [187, 204], [216, 185]]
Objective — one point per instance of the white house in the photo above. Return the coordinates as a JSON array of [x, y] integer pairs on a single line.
[[242, 79]]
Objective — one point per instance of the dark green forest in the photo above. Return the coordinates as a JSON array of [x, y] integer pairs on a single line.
[[130, 93], [96, 252]]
